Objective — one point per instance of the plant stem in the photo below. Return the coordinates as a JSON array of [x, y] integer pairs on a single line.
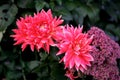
[[22, 65]]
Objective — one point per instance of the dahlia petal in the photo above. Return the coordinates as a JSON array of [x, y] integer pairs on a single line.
[[81, 68], [47, 47], [72, 63], [59, 52], [51, 42], [78, 61], [49, 14], [68, 56], [88, 57], [32, 47], [24, 45], [18, 42]]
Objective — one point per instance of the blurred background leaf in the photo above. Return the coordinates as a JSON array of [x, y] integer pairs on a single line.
[[7, 15]]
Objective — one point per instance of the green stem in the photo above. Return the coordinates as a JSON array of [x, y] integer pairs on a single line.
[[23, 73], [22, 64]]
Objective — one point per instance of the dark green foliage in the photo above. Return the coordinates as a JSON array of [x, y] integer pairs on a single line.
[[27, 65]]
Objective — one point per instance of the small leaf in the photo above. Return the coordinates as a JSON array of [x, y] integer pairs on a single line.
[[43, 56], [39, 4], [33, 64]]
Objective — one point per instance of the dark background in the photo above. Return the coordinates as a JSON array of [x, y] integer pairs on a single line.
[[27, 65]]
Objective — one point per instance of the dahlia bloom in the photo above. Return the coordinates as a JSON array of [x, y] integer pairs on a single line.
[[39, 31], [76, 47], [105, 53]]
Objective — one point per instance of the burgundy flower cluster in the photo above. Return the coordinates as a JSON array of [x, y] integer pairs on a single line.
[[105, 53]]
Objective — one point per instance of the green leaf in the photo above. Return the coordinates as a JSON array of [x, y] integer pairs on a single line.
[[13, 75], [57, 72], [25, 3], [93, 13], [1, 35], [9, 65], [64, 12], [79, 15], [43, 56], [43, 72], [84, 10], [110, 27], [2, 58], [59, 2], [40, 4], [7, 14], [33, 64], [70, 5], [52, 4]]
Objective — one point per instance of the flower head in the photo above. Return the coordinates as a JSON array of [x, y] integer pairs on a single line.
[[76, 47], [38, 31], [105, 54]]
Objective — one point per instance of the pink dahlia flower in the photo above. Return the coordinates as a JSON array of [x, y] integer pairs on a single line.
[[39, 31], [76, 47]]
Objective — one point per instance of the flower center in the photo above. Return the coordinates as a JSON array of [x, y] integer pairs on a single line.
[[43, 28], [77, 48]]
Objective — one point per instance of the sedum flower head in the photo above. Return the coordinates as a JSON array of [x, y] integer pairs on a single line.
[[76, 47], [39, 31], [105, 53]]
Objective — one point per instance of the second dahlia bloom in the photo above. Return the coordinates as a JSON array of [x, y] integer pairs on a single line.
[[76, 47], [38, 31]]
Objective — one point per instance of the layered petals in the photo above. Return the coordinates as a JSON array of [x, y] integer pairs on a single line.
[[39, 31], [76, 48]]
